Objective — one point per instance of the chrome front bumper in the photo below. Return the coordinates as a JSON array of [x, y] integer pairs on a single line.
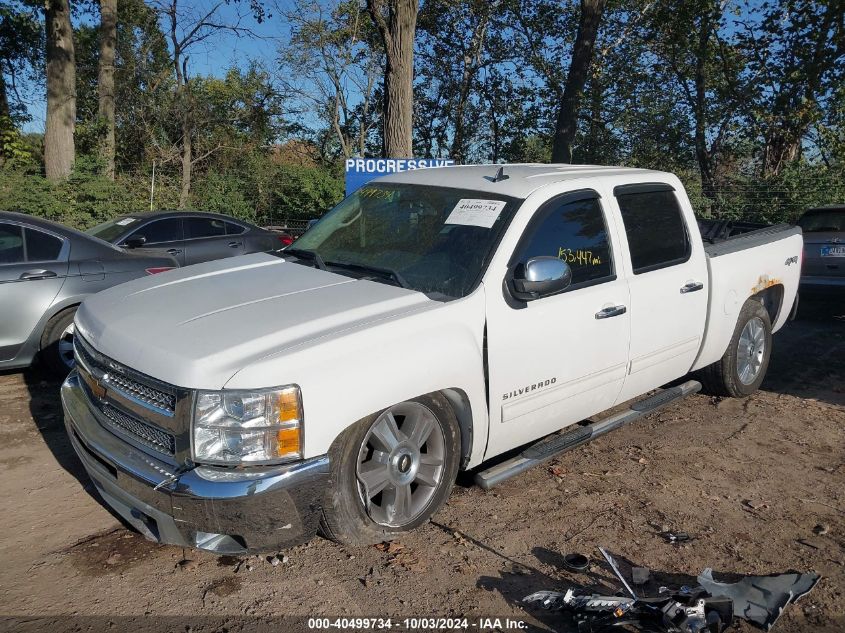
[[225, 511]]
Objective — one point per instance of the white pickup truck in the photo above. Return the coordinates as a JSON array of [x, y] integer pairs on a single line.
[[431, 322]]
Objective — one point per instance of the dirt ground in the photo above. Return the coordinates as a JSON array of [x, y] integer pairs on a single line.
[[758, 483]]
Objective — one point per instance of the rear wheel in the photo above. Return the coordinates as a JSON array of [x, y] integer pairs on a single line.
[[742, 369], [392, 471], [57, 343]]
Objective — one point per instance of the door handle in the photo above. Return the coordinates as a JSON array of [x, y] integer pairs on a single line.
[[234, 244], [31, 275], [612, 311], [174, 251], [692, 286]]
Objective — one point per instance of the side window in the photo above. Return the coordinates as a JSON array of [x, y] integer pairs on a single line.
[[234, 229], [167, 230], [205, 227], [41, 247], [657, 235], [11, 244], [576, 233]]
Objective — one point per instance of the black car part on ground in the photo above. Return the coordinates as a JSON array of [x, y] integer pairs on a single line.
[[708, 608]]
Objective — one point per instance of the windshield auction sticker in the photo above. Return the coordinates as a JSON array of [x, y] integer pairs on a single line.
[[471, 212]]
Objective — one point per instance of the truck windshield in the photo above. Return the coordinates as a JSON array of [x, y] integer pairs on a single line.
[[431, 239]]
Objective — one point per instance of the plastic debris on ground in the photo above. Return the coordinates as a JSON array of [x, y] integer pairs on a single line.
[[711, 607]]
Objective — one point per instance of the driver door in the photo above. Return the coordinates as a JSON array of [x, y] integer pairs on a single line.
[[556, 360]]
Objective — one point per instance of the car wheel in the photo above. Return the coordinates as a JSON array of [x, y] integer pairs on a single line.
[[742, 369], [57, 343], [391, 471]]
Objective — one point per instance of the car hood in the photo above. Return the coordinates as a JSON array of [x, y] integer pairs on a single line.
[[197, 326]]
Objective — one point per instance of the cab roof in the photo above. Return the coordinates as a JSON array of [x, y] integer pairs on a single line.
[[520, 179]]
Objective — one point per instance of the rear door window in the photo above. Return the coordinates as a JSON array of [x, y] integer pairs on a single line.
[[41, 247], [166, 230], [655, 227], [205, 227], [11, 244], [234, 229], [575, 232]]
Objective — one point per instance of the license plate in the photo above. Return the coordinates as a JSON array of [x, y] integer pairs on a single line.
[[833, 251]]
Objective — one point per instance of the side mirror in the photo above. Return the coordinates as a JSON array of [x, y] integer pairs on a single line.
[[540, 277], [136, 241]]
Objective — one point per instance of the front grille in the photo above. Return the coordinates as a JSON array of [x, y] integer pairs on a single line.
[[123, 380], [142, 392], [139, 431]]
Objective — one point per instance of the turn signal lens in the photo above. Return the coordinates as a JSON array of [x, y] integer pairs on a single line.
[[287, 441], [288, 405], [158, 269]]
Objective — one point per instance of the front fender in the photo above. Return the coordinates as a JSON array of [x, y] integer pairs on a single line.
[[358, 372]]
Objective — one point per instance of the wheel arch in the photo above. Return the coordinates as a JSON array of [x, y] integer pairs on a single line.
[[53, 312], [459, 401], [772, 300]]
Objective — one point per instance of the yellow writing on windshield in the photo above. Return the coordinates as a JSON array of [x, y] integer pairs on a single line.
[[578, 256], [373, 192]]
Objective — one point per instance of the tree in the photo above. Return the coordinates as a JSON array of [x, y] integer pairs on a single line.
[[187, 27], [105, 81], [579, 67], [59, 151], [21, 57], [796, 60], [396, 21], [330, 65]]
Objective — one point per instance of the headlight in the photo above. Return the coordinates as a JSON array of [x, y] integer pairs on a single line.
[[251, 427]]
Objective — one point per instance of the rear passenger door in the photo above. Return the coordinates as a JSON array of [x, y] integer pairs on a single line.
[[667, 278], [165, 234], [206, 239], [33, 267]]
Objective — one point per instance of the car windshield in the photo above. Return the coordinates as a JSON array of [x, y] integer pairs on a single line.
[[431, 239], [113, 229], [821, 221]]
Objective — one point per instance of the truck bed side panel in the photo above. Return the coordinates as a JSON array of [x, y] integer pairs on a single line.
[[744, 266]]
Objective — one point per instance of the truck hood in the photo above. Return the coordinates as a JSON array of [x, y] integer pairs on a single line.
[[195, 327]]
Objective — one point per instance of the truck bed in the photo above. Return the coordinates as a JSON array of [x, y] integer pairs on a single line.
[[721, 237], [744, 260]]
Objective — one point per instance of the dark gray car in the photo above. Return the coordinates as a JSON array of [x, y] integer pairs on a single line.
[[191, 237], [823, 269], [46, 270]]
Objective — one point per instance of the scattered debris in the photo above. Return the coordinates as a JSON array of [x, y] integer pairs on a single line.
[[676, 537], [673, 613], [518, 570], [710, 607], [761, 599], [576, 561], [640, 575]]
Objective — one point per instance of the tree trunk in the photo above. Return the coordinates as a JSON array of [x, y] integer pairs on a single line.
[[702, 153], [397, 32], [472, 58], [187, 164], [582, 57], [105, 81], [59, 151]]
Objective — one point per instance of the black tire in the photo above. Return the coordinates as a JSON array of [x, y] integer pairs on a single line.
[[722, 378], [345, 512], [53, 357]]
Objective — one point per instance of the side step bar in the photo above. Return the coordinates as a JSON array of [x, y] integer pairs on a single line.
[[553, 445]]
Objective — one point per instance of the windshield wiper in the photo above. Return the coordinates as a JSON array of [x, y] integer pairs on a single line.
[[378, 270], [306, 254]]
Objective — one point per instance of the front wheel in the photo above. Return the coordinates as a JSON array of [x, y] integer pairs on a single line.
[[742, 369], [392, 471]]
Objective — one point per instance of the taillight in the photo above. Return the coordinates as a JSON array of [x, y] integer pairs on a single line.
[[159, 269], [286, 239]]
